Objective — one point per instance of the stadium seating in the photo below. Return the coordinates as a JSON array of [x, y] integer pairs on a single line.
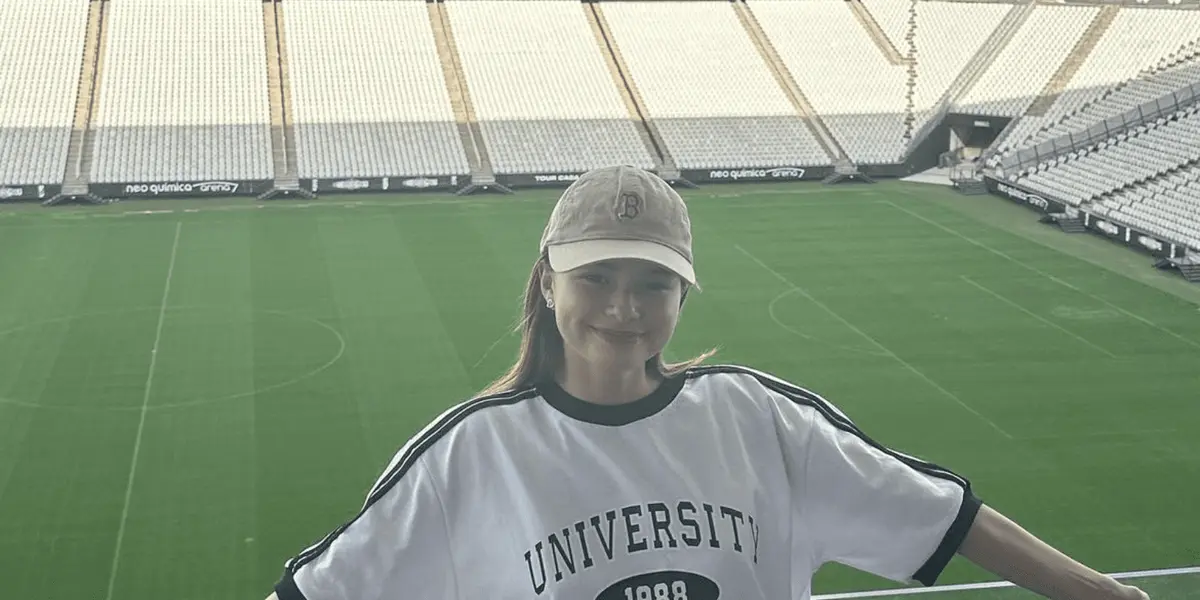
[[1145, 152], [183, 90], [1023, 68], [368, 92], [1160, 81], [542, 92], [43, 55], [858, 93], [1136, 40], [1167, 206], [183, 95], [715, 101], [832, 59], [946, 38]]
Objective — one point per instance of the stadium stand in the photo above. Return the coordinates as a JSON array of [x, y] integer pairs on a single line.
[[184, 93], [38, 76], [830, 56], [833, 58], [1136, 40], [542, 91], [1129, 158], [950, 33], [720, 107], [1020, 71], [1104, 100], [369, 95], [1171, 73], [1168, 206]]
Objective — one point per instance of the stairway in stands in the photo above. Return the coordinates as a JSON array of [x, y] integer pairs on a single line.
[[283, 131], [627, 88], [78, 169], [1190, 272], [1056, 84], [482, 174], [783, 76], [1070, 65], [1069, 225], [875, 32], [966, 79]]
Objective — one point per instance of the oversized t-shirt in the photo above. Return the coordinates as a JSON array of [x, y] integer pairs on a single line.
[[725, 483]]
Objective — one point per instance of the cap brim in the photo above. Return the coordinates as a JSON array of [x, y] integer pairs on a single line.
[[568, 257]]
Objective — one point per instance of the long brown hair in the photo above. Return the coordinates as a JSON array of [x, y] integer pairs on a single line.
[[541, 351]]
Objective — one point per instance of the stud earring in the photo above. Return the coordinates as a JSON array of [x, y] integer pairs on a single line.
[[550, 303]]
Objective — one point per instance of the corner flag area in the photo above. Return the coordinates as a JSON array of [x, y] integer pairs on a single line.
[[192, 390]]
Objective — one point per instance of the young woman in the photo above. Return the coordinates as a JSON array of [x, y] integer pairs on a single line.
[[594, 469]]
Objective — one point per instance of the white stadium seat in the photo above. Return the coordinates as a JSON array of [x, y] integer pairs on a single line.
[[183, 90], [714, 101], [369, 96], [1015, 78], [1136, 40], [1126, 160], [857, 92], [43, 56], [542, 92], [183, 93]]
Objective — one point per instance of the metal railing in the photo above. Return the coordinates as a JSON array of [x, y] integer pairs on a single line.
[[1102, 130]]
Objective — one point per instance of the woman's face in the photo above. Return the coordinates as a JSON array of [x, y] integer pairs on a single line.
[[615, 314]]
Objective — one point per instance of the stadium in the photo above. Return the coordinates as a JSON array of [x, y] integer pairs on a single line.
[[250, 247]]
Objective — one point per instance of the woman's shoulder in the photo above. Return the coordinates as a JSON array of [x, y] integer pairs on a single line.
[[464, 412], [454, 425], [766, 381], [769, 388], [483, 405]]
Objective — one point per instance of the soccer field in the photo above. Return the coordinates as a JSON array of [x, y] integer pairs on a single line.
[[193, 391]]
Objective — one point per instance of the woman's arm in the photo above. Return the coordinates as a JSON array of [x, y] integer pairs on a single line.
[[1004, 548]]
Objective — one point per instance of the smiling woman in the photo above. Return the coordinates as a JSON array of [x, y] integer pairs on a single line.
[[594, 470], [614, 317], [614, 276]]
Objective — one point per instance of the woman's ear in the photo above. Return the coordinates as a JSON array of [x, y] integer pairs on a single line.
[[547, 285]]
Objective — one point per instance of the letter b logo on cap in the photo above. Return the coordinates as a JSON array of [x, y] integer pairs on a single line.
[[629, 206]]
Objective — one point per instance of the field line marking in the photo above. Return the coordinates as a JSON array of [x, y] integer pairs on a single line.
[[874, 341], [1001, 254], [137, 441], [1013, 304], [992, 585], [801, 334]]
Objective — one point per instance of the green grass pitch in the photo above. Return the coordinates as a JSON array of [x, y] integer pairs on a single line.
[[251, 368]]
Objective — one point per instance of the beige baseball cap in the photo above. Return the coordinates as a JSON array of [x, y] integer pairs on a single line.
[[620, 212]]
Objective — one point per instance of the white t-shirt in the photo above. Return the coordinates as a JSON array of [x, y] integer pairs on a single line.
[[724, 483]]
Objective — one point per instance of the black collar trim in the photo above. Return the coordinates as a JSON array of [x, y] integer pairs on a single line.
[[616, 414]]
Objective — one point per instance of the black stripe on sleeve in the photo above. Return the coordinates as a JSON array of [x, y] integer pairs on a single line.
[[952, 541], [930, 571], [809, 398], [286, 587]]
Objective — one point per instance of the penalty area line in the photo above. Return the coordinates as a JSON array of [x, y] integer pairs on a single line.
[[992, 585]]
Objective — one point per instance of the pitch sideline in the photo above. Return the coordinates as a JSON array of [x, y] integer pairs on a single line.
[[992, 585]]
